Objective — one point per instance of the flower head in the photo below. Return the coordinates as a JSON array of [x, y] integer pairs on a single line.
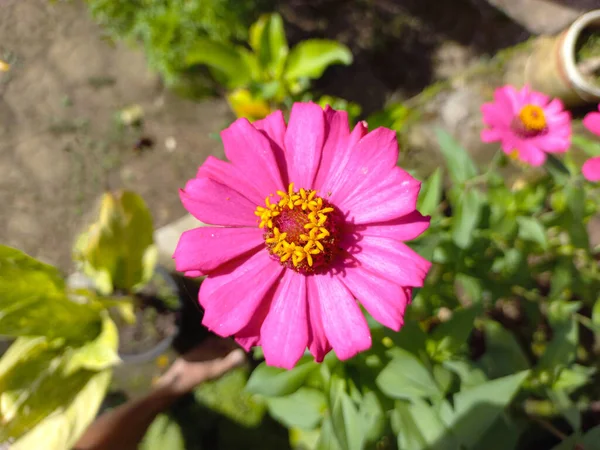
[[311, 222], [527, 123], [591, 168]]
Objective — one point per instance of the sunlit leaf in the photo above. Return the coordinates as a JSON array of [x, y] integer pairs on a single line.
[[303, 408], [224, 60], [310, 58], [118, 251], [477, 408], [164, 434], [273, 382], [64, 426], [33, 301], [530, 229], [460, 165], [431, 193], [267, 39], [466, 218], [405, 377]]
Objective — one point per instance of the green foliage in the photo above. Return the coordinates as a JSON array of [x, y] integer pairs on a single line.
[[169, 30], [163, 434], [201, 47], [118, 252], [55, 374], [491, 344]]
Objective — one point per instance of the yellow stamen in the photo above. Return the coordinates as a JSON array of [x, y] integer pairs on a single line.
[[301, 248], [533, 118]]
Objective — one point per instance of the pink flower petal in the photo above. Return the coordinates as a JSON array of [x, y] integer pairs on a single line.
[[491, 135], [250, 151], [386, 301], [382, 198], [591, 169], [206, 248], [371, 159], [216, 204], [304, 141], [495, 116], [229, 175], [318, 344], [228, 302], [531, 154], [274, 127], [390, 259], [345, 325], [508, 99], [337, 142], [404, 228], [249, 336], [592, 122], [284, 333]]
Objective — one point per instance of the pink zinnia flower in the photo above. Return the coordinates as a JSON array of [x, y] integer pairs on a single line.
[[591, 168], [527, 124], [311, 220]]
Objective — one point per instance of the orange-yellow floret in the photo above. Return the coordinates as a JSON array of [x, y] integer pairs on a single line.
[[308, 213]]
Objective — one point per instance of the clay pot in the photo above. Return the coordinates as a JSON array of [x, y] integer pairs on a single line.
[[552, 67]]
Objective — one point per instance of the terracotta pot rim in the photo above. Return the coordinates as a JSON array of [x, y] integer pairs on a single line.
[[586, 89]]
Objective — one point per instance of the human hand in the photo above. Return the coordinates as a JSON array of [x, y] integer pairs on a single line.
[[207, 361]]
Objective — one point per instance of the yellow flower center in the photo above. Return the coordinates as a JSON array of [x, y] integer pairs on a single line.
[[301, 229], [532, 118]]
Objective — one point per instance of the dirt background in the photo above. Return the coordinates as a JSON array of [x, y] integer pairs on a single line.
[[60, 145]]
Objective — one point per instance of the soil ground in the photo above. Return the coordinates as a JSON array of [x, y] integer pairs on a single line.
[[60, 145]]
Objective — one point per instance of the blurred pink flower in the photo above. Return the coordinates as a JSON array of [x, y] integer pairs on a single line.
[[591, 168], [312, 219], [527, 123]]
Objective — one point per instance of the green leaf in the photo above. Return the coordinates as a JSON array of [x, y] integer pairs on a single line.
[[405, 377], [448, 337], [576, 206], [33, 301], [470, 375], [372, 417], [163, 434], [99, 354], [476, 409], [502, 435], [35, 385], [310, 58], [419, 426], [267, 39], [327, 439], [557, 169], [562, 348], [228, 397], [304, 408], [224, 60], [460, 165], [466, 218], [346, 422], [118, 250], [63, 428], [590, 146], [574, 377], [274, 382], [530, 229], [596, 313], [431, 193], [503, 354], [589, 441]]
